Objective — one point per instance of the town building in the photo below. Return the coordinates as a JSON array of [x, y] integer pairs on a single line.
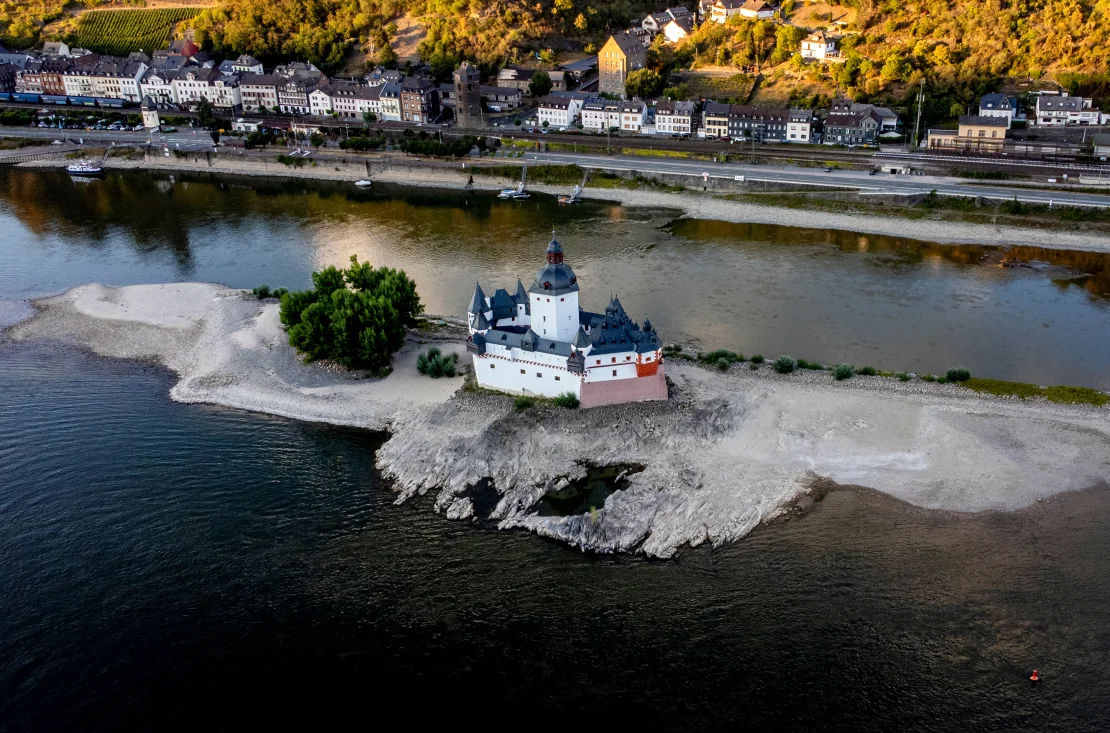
[[8, 73], [621, 55], [293, 91], [799, 126], [1101, 143], [599, 113], [502, 99], [657, 22], [517, 78], [559, 110], [52, 74], [714, 120], [722, 10], [28, 80], [819, 46], [634, 115], [976, 133], [746, 122], [192, 84], [149, 108], [675, 118], [468, 95], [245, 64], [540, 342], [997, 104], [390, 101], [259, 92], [419, 100], [757, 9], [1062, 110], [55, 48], [852, 128], [677, 30]]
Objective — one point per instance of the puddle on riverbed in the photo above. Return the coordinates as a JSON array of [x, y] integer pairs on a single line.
[[590, 492]]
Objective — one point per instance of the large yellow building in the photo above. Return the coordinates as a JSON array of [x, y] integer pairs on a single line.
[[976, 132]]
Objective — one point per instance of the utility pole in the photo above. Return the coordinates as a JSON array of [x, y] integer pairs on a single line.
[[917, 122]]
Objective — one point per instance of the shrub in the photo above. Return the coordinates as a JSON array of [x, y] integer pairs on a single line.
[[262, 292], [928, 377], [902, 376], [757, 359], [356, 317], [723, 364], [803, 364], [567, 400], [433, 363], [866, 371], [843, 371], [278, 292], [958, 375], [753, 366], [672, 349], [715, 356], [524, 403], [784, 365]]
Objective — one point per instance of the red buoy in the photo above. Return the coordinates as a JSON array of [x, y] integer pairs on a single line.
[[1034, 677]]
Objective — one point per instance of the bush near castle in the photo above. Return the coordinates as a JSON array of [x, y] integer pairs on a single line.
[[356, 317]]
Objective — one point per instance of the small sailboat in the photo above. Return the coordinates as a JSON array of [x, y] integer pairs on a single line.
[[364, 183], [573, 198], [518, 193]]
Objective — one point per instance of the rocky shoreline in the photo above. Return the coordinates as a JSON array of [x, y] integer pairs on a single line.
[[727, 451]]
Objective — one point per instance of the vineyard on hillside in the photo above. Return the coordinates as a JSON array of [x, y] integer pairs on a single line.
[[119, 32]]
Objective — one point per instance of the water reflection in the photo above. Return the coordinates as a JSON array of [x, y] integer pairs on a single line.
[[1025, 313]]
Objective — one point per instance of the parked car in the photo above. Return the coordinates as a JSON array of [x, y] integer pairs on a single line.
[[828, 169]]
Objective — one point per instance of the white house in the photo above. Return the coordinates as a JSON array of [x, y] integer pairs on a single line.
[[195, 83], [157, 86], [676, 30], [1061, 110], [259, 91], [675, 118], [558, 110], [818, 46], [996, 104], [390, 103], [540, 342], [319, 101], [600, 114], [757, 9], [633, 115], [722, 10], [799, 126]]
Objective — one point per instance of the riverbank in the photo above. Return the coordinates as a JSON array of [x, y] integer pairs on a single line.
[[691, 203], [728, 450]]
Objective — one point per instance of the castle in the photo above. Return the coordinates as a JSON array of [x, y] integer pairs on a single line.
[[540, 342]]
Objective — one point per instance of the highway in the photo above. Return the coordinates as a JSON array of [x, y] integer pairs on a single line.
[[880, 183]]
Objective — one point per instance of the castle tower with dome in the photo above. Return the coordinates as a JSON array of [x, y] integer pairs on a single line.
[[540, 342]]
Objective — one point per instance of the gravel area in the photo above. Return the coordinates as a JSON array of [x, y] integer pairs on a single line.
[[728, 450]]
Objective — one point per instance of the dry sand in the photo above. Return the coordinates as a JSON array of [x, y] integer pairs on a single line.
[[725, 453]]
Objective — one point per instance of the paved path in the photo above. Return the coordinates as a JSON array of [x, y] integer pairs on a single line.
[[880, 183]]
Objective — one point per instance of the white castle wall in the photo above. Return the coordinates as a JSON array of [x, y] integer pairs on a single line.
[[533, 374], [555, 316]]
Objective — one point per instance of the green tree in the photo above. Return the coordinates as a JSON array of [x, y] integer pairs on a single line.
[[204, 114], [356, 317], [368, 116], [316, 140], [643, 83], [540, 85]]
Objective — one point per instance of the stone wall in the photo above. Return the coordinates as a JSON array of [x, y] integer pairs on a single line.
[[638, 389]]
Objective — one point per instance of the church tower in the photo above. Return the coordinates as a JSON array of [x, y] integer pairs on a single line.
[[468, 96], [553, 297]]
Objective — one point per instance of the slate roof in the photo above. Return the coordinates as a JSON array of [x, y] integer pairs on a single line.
[[502, 305], [983, 121], [997, 100], [478, 302], [615, 332], [528, 341]]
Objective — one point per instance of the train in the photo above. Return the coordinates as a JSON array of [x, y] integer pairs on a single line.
[[30, 98]]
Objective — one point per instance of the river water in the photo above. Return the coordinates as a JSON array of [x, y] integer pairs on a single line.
[[164, 565]]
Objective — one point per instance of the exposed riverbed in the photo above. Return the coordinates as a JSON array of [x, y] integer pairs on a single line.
[[725, 453]]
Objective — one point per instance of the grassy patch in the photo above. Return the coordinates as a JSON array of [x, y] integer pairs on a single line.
[[524, 403], [1060, 394], [554, 174], [567, 400]]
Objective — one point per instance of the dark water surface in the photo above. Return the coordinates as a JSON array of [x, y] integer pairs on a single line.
[[893, 303], [166, 565]]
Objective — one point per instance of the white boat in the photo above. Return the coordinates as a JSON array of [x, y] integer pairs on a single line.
[[517, 193], [520, 195], [84, 169], [507, 193], [364, 183]]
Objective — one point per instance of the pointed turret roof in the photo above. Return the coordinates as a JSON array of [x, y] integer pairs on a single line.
[[478, 302], [481, 323], [581, 340], [521, 295]]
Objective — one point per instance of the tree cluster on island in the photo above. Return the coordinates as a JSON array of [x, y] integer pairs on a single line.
[[356, 316]]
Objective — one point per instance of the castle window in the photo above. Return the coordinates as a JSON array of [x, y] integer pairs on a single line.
[[492, 366], [539, 374], [556, 379], [599, 361], [523, 372], [614, 372], [614, 360]]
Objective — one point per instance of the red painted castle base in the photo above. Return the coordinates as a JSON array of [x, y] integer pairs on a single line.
[[638, 389]]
